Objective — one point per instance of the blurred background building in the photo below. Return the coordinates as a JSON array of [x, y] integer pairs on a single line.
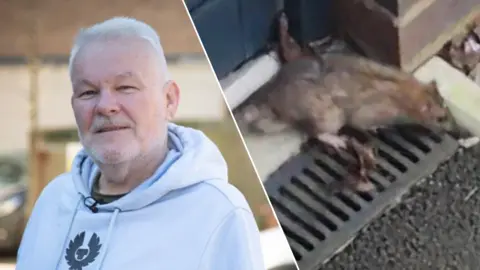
[[36, 117]]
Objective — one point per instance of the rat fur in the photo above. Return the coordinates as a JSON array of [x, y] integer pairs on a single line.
[[320, 96]]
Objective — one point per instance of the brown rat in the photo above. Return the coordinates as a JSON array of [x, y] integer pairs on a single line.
[[319, 96]]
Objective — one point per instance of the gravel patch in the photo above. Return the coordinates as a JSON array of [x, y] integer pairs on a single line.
[[436, 226]]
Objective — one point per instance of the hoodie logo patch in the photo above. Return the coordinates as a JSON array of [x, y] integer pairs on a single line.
[[77, 256]]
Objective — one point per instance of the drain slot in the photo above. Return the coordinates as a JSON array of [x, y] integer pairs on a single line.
[[323, 223], [397, 146], [384, 173], [393, 163], [365, 196], [380, 183], [318, 223], [392, 152], [321, 192], [339, 211], [303, 229], [296, 255], [313, 175], [348, 201], [420, 142], [378, 186], [301, 206], [301, 245], [326, 165], [322, 176]]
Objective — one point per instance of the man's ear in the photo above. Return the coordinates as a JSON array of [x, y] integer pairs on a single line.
[[172, 98]]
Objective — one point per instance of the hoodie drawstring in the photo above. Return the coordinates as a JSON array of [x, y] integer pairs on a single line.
[[109, 234], [68, 232], [107, 242]]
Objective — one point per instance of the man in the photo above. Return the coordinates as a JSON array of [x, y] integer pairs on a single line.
[[144, 193]]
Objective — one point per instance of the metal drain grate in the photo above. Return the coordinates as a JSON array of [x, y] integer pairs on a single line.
[[318, 224]]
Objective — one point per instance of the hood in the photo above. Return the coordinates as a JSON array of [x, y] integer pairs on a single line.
[[193, 158]]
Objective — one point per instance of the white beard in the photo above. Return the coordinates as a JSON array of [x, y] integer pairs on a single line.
[[111, 153]]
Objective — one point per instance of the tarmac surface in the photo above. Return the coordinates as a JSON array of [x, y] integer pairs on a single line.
[[435, 227]]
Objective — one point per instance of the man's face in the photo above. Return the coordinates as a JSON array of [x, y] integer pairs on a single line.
[[120, 100]]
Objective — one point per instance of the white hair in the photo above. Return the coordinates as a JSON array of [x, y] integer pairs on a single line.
[[120, 27]]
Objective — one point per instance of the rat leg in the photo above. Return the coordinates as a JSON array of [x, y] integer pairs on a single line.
[[365, 155], [357, 183], [322, 121], [326, 127], [336, 141], [357, 173], [351, 182]]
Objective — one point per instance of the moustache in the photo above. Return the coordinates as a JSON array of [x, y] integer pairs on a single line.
[[108, 124]]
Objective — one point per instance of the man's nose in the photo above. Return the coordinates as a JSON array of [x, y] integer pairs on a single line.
[[107, 103]]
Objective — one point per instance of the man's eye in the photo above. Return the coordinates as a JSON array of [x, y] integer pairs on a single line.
[[126, 87], [88, 93]]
